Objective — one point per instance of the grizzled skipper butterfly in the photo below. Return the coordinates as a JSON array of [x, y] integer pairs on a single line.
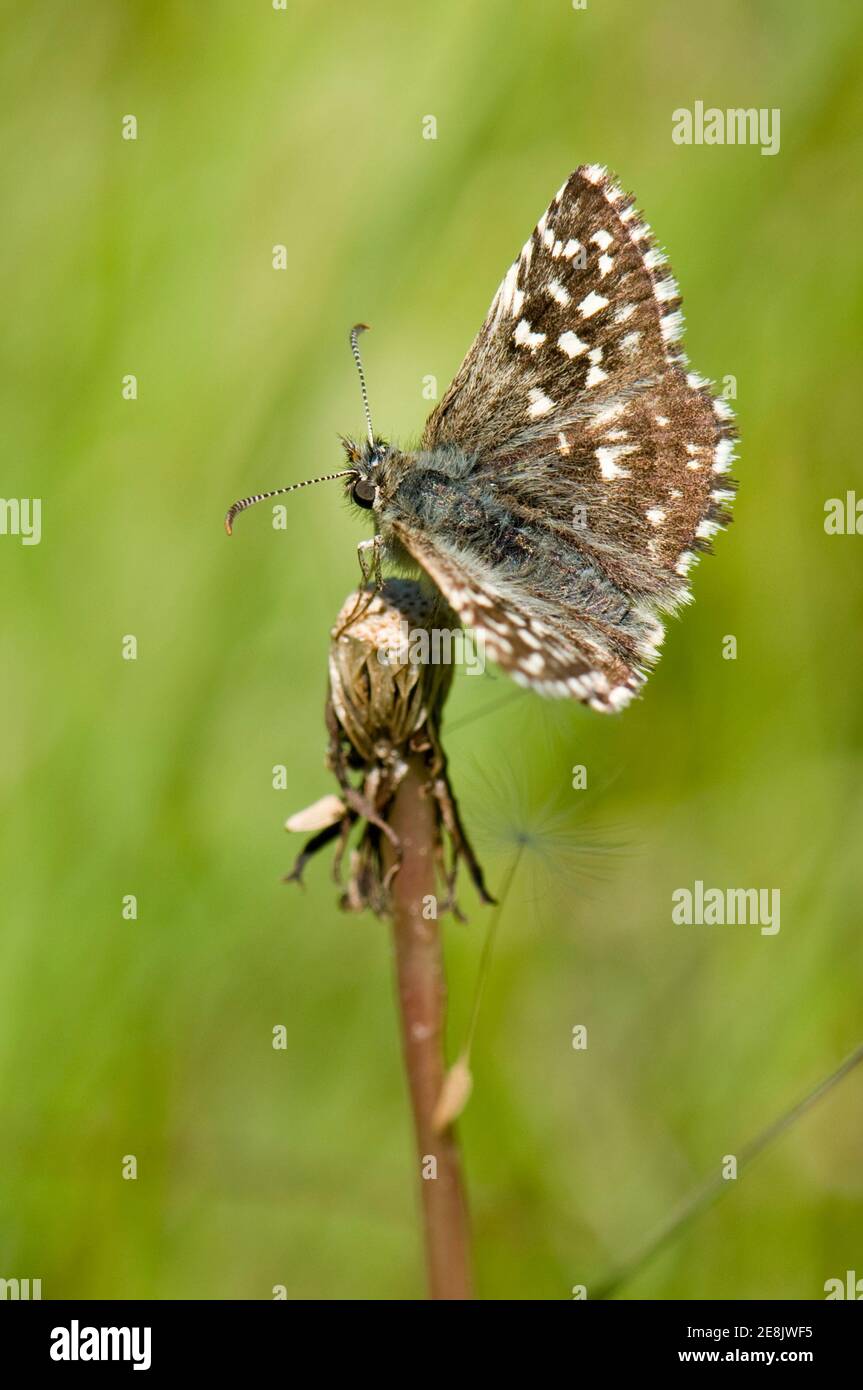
[[567, 480]]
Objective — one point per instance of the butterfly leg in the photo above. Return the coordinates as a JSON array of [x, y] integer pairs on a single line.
[[368, 568], [376, 546]]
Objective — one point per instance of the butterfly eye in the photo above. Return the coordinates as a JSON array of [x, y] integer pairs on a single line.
[[364, 493]]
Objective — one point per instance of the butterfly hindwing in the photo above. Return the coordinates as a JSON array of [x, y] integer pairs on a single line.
[[554, 648]]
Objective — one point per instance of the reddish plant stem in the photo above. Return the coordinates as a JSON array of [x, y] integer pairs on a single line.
[[421, 986]]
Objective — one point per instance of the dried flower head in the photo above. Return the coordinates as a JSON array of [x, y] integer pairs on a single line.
[[384, 706]]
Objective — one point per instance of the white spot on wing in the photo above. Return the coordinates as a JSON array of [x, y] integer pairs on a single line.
[[608, 457], [671, 326], [540, 403], [508, 288], [610, 412], [525, 336], [571, 344], [620, 696], [684, 564], [558, 293], [591, 304]]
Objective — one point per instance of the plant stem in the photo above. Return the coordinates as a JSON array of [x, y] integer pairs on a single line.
[[421, 986]]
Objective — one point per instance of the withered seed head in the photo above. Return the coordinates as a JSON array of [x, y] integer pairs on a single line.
[[381, 698], [383, 707]]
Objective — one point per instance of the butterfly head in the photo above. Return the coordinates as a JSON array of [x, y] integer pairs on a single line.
[[367, 467]]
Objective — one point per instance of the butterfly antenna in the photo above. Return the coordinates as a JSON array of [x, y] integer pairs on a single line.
[[245, 502], [357, 329]]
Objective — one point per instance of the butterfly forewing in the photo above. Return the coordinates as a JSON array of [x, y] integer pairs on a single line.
[[588, 309], [599, 462]]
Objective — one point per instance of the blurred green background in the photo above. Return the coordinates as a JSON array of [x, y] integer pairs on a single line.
[[154, 777]]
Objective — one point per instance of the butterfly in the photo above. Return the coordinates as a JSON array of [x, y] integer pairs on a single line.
[[575, 468]]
